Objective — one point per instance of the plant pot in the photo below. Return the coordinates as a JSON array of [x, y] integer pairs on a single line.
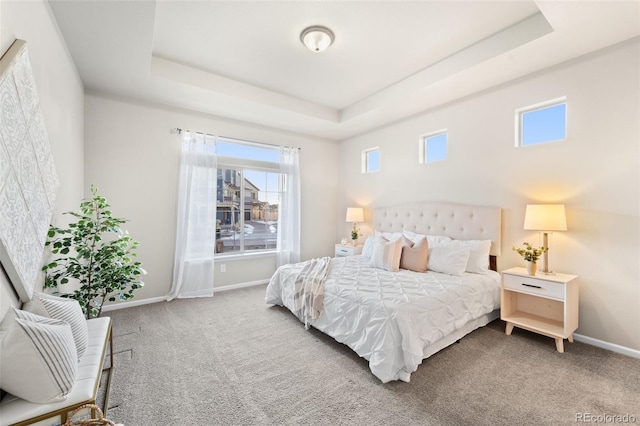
[[532, 267]]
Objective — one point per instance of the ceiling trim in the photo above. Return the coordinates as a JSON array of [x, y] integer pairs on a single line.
[[183, 74], [529, 29], [503, 41]]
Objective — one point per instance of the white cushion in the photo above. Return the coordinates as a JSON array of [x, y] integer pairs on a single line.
[[15, 410], [64, 309], [449, 258], [38, 358], [478, 262], [431, 239], [367, 250], [386, 254], [389, 236]]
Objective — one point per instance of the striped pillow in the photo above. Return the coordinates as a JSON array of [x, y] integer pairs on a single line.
[[386, 254], [38, 360], [64, 309]]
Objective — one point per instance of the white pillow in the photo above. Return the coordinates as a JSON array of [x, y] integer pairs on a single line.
[[478, 262], [386, 254], [448, 258], [431, 239], [478, 255], [389, 236], [64, 309], [367, 250], [38, 359]]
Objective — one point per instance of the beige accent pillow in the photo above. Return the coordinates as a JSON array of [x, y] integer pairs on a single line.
[[415, 258]]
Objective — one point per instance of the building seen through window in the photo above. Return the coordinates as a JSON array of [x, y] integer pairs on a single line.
[[248, 197]]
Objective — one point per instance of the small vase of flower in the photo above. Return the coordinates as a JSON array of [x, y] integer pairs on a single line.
[[531, 255], [355, 233]]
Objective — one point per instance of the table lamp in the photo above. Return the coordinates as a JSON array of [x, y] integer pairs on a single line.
[[355, 215], [545, 218]]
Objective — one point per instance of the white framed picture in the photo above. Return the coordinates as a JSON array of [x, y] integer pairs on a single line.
[[28, 179]]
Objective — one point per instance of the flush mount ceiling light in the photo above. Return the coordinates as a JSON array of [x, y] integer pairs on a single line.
[[317, 38]]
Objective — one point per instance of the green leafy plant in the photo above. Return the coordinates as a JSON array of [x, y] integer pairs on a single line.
[[530, 253], [95, 252]]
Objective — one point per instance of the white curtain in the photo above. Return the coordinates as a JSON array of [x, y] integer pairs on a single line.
[[196, 222], [289, 210]]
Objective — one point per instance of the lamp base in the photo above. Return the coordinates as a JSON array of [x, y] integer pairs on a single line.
[[545, 256]]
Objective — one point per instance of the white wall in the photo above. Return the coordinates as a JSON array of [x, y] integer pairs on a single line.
[[595, 172], [131, 156], [133, 159], [61, 100]]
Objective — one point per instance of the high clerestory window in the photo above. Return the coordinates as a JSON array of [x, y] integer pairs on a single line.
[[542, 122], [371, 160], [433, 147]]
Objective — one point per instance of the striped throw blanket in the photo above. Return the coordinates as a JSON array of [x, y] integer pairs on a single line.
[[309, 289]]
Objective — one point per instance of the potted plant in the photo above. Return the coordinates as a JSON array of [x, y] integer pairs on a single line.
[[531, 255], [96, 253]]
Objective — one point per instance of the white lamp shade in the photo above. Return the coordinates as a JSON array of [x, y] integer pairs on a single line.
[[355, 214], [545, 217]]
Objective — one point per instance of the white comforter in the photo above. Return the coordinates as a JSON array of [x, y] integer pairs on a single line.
[[391, 318]]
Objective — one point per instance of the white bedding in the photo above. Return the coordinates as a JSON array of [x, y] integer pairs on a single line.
[[393, 319]]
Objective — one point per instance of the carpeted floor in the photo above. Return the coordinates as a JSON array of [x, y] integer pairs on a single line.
[[232, 360]]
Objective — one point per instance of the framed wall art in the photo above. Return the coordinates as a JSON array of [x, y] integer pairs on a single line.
[[28, 179]]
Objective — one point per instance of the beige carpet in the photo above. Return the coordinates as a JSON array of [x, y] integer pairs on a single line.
[[232, 360]]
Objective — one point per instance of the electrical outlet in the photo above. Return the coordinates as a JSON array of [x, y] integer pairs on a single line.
[[223, 268]]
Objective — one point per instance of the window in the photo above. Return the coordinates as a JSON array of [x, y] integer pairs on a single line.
[[544, 122], [370, 160], [433, 147], [248, 187]]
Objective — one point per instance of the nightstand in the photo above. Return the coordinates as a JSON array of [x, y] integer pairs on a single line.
[[544, 304], [344, 251]]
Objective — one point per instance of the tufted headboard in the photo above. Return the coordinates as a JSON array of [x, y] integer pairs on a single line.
[[458, 221]]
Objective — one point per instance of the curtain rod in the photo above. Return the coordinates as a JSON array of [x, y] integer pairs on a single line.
[[179, 131]]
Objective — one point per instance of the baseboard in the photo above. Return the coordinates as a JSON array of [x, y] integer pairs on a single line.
[[606, 345], [140, 302], [241, 285], [132, 303]]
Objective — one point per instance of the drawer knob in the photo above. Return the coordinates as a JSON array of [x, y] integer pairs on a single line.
[[531, 285]]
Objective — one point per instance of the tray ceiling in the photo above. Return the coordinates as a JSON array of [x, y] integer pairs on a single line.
[[391, 59]]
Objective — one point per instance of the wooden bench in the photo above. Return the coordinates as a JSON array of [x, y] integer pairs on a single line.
[[18, 412]]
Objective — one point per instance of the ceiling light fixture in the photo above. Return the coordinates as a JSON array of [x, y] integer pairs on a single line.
[[317, 38]]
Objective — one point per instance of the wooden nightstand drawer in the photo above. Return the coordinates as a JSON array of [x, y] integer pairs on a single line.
[[546, 304], [534, 285]]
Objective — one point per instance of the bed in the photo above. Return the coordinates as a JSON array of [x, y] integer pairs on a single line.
[[397, 319]]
